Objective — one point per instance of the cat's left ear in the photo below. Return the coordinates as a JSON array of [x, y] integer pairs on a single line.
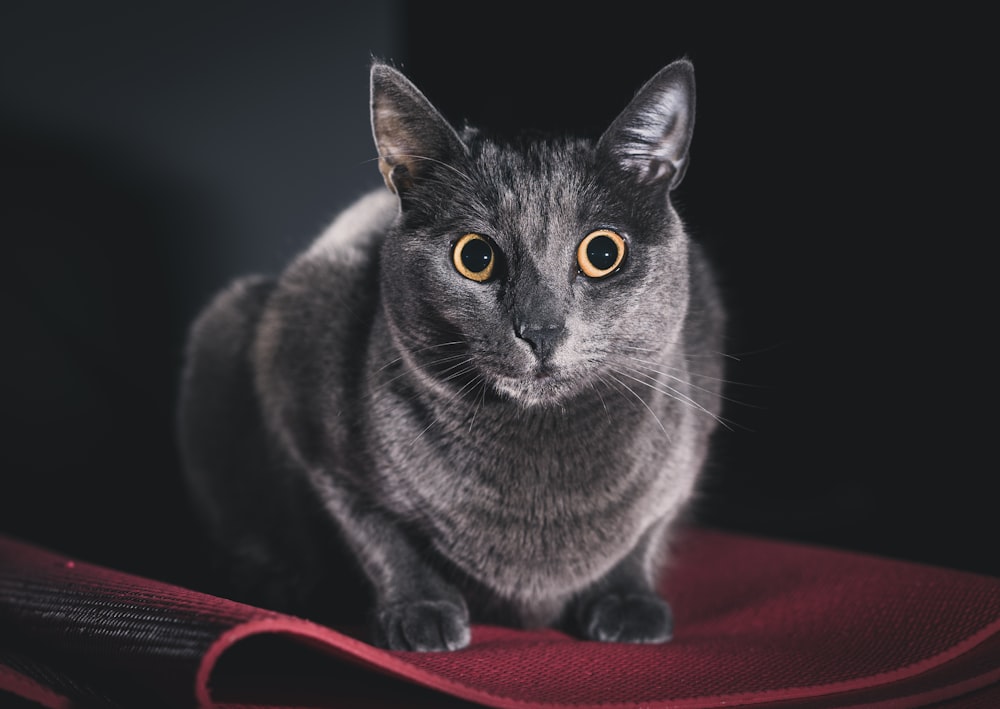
[[410, 134], [651, 137]]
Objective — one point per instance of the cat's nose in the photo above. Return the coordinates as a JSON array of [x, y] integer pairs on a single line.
[[542, 336]]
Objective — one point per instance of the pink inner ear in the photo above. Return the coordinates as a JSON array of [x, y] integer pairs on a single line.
[[658, 170], [386, 169]]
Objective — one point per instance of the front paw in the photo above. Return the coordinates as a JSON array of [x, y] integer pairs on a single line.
[[629, 618], [424, 626]]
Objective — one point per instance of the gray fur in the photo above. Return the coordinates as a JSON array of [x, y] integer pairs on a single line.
[[510, 451]]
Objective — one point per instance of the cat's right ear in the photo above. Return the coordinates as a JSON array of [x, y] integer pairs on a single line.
[[409, 132]]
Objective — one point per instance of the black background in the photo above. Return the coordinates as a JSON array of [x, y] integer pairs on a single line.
[[840, 176]]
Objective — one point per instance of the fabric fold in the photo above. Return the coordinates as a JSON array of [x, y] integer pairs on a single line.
[[759, 622]]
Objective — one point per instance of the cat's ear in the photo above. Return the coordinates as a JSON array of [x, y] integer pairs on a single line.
[[651, 137], [410, 133]]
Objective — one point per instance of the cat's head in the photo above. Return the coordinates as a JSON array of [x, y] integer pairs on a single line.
[[533, 268]]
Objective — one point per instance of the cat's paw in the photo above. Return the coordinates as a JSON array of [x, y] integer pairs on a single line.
[[424, 626], [629, 618]]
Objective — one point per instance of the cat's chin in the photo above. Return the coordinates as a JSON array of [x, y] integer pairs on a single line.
[[535, 391]]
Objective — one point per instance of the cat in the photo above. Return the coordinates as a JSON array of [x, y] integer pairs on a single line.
[[488, 389]]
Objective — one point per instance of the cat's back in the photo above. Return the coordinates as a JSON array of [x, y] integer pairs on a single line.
[[261, 347], [235, 344], [354, 236], [325, 300], [311, 343]]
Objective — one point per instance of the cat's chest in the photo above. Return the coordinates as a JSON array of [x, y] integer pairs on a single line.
[[509, 459], [527, 497]]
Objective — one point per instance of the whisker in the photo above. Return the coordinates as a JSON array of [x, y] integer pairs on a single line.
[[422, 432], [643, 402], [672, 376], [673, 393], [451, 397], [432, 363], [428, 159], [683, 398], [459, 373], [419, 349], [480, 380], [696, 386], [732, 382], [601, 397], [691, 355]]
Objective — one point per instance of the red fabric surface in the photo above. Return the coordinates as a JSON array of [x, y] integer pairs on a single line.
[[758, 623]]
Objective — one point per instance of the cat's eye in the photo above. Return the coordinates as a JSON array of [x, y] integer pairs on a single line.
[[600, 253], [473, 257]]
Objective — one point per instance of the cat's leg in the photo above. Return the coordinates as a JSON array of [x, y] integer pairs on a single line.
[[415, 607], [306, 406], [421, 612], [623, 606]]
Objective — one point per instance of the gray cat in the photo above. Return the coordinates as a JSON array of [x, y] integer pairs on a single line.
[[488, 389]]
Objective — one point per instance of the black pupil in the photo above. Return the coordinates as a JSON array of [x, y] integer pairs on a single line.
[[602, 251], [476, 255]]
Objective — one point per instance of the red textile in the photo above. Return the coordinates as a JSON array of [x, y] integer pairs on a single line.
[[758, 623]]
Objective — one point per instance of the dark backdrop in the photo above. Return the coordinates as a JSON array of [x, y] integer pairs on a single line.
[[839, 178]]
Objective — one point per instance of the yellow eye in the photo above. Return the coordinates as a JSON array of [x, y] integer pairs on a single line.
[[600, 253], [473, 257]]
